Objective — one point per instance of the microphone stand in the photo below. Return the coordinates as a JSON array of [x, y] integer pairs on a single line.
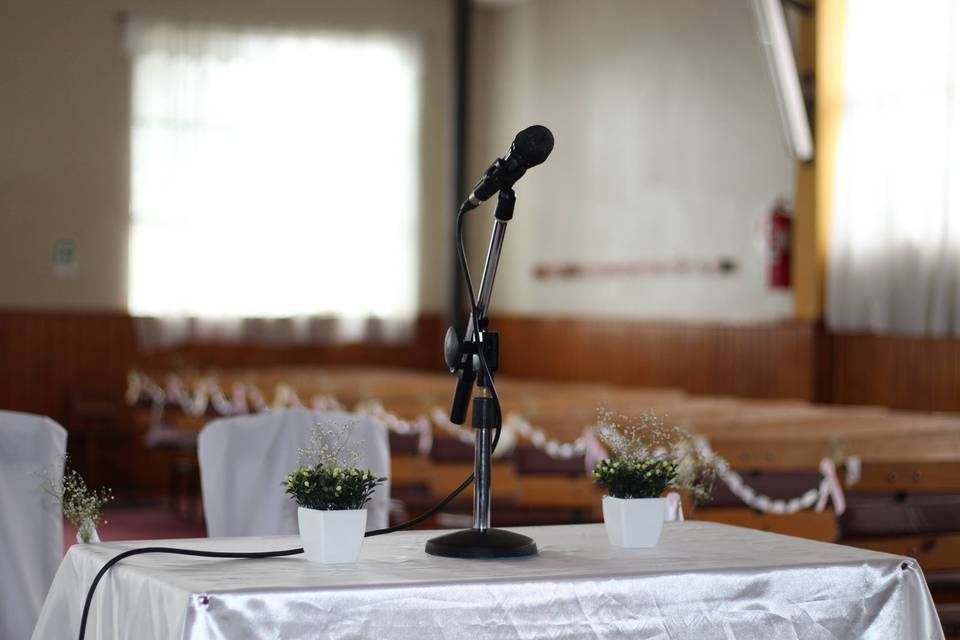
[[481, 541]]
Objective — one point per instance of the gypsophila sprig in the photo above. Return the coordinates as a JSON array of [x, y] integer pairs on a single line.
[[82, 506], [328, 478], [331, 488], [331, 447], [638, 444]]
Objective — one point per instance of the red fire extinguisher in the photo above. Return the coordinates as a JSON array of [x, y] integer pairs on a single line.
[[778, 246]]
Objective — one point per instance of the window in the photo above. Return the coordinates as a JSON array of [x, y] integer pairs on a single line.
[[894, 262], [274, 173]]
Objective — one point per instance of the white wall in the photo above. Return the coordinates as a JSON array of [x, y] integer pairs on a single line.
[[65, 120], [668, 145]]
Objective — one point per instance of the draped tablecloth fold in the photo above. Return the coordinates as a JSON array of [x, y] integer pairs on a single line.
[[704, 580]]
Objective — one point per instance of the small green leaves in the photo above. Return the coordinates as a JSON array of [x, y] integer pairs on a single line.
[[331, 488], [636, 477]]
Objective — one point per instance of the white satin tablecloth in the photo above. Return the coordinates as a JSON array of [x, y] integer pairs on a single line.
[[704, 580]]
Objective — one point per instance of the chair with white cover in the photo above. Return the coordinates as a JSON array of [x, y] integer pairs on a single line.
[[244, 461], [31, 524]]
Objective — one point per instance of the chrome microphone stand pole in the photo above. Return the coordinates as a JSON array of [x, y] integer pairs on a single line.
[[482, 541], [484, 402]]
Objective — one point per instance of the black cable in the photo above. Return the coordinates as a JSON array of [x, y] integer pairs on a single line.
[[474, 314], [183, 552]]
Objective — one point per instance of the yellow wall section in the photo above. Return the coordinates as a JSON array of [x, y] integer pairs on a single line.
[[815, 182], [831, 25], [806, 283]]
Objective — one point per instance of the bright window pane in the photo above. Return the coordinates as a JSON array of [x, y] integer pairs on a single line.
[[274, 173]]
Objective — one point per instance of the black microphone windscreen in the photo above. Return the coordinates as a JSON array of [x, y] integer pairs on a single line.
[[533, 145]]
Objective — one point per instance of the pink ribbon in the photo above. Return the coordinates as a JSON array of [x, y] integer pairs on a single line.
[[830, 488], [594, 451], [674, 507], [239, 398], [425, 441]]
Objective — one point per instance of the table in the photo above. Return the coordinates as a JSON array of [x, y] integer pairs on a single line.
[[704, 580]]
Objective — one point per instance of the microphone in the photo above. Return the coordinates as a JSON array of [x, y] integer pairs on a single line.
[[529, 148]]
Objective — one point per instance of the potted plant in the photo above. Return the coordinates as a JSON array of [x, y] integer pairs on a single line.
[[633, 510], [81, 506], [648, 458], [330, 493]]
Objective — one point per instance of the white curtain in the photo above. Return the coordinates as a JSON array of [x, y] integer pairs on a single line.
[[894, 259], [275, 182]]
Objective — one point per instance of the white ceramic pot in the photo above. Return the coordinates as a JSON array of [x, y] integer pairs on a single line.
[[332, 537], [634, 523]]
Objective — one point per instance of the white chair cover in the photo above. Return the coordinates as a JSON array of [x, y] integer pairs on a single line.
[[31, 524], [245, 459]]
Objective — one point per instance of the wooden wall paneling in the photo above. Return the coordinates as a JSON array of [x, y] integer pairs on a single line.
[[45, 355], [42, 354], [761, 361], [920, 374]]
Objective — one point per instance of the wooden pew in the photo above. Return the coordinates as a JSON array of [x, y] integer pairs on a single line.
[[756, 436]]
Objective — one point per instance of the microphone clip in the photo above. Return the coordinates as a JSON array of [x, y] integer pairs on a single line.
[[461, 358], [505, 204]]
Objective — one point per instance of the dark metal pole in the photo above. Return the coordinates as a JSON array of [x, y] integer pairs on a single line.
[[461, 97]]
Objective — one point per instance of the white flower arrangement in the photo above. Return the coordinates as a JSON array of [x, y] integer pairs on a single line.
[[82, 506], [330, 479]]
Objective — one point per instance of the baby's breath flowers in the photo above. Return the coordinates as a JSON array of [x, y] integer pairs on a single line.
[[331, 488], [332, 447], [649, 453], [328, 479], [82, 506]]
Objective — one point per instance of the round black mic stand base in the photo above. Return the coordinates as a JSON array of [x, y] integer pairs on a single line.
[[473, 543]]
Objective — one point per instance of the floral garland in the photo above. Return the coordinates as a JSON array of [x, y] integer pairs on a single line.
[[248, 397], [419, 426], [828, 489]]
